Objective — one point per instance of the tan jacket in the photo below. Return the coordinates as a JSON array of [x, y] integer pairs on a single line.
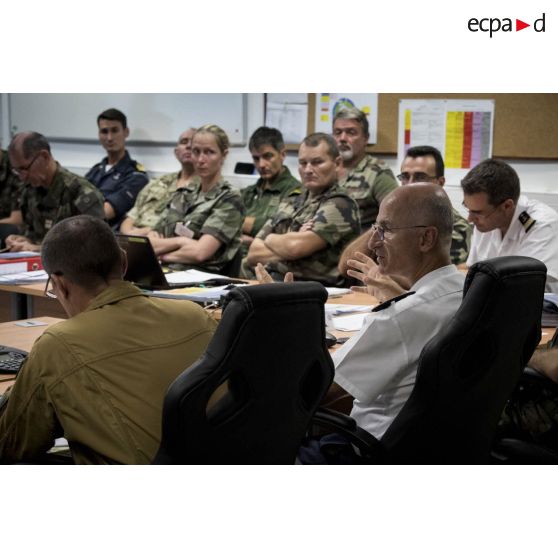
[[99, 378]]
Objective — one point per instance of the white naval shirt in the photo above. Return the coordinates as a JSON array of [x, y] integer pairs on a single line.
[[540, 242], [378, 365]]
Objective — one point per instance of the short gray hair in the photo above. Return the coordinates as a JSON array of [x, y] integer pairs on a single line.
[[352, 113]]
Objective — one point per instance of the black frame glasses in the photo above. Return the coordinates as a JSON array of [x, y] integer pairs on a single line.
[[49, 292], [383, 230], [19, 170], [415, 177]]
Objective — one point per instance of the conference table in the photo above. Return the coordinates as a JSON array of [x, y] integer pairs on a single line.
[[23, 336], [27, 301]]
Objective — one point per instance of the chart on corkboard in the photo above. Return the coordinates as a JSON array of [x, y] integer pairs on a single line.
[[462, 129]]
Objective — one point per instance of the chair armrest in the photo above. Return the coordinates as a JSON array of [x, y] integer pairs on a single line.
[[534, 377], [370, 448]]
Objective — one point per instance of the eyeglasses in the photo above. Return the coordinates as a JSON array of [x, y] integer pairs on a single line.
[[382, 230], [17, 171], [478, 213], [49, 292], [406, 177]]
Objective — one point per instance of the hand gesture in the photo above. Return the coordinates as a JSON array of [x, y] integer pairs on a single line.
[[383, 287], [264, 277]]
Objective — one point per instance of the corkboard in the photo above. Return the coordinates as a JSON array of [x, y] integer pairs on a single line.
[[525, 124]]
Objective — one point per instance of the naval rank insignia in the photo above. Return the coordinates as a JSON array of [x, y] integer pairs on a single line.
[[526, 220]]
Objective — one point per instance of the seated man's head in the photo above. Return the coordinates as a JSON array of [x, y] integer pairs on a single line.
[[31, 160], [113, 131], [183, 149], [422, 163], [412, 234], [318, 162], [81, 257], [490, 194], [268, 152], [350, 130]]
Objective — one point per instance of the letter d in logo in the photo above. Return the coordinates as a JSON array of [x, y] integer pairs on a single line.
[[539, 24]]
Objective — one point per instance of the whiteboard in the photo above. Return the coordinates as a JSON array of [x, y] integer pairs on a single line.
[[152, 117]]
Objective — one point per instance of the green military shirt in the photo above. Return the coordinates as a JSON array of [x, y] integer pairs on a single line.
[[68, 195], [336, 220], [99, 378], [152, 201], [10, 187], [263, 203], [369, 183], [219, 212], [460, 238]]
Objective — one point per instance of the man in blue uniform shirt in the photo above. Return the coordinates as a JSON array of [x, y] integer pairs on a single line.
[[119, 177]]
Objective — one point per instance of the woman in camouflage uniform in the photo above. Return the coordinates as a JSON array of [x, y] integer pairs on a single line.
[[203, 223]]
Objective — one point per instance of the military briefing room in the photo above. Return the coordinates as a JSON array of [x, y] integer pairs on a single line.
[[249, 278]]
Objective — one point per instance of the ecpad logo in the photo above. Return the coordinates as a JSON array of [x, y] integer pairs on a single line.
[[494, 24]]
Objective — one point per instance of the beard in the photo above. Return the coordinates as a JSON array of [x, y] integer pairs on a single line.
[[347, 153]]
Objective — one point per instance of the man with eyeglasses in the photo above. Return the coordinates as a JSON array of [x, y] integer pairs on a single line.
[[378, 365], [51, 193], [100, 377], [422, 164], [10, 194], [365, 178], [507, 223]]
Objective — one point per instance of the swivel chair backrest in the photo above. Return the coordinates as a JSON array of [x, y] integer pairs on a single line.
[[269, 358], [467, 372]]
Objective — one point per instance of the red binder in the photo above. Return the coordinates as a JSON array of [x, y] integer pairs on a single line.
[[25, 264]]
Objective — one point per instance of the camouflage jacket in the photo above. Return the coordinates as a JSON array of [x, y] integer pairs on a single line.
[[369, 183], [263, 203], [152, 202], [219, 212], [460, 238], [336, 220], [10, 187], [68, 195]]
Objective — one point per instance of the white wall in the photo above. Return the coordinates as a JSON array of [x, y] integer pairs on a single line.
[[539, 179]]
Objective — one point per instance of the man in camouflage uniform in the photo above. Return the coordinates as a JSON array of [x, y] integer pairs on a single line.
[[51, 193], [10, 193], [152, 201], [366, 179], [276, 183], [118, 177], [307, 234], [192, 214], [422, 164]]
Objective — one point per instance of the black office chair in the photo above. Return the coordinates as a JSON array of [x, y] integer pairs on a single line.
[[466, 372], [528, 430], [250, 398]]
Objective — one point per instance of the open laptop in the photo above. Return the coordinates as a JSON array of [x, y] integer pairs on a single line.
[[145, 271]]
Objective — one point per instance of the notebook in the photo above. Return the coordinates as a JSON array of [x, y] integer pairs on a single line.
[[145, 271]]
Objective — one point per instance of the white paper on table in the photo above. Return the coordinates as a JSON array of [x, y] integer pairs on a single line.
[[337, 309], [354, 322], [337, 291], [191, 276]]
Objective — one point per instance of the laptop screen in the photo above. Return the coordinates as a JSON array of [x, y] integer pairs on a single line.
[[144, 270]]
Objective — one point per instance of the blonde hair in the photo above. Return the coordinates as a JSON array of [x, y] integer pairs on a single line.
[[218, 133]]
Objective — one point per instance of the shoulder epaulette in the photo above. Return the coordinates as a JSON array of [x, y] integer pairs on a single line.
[[391, 301], [140, 167], [526, 221]]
